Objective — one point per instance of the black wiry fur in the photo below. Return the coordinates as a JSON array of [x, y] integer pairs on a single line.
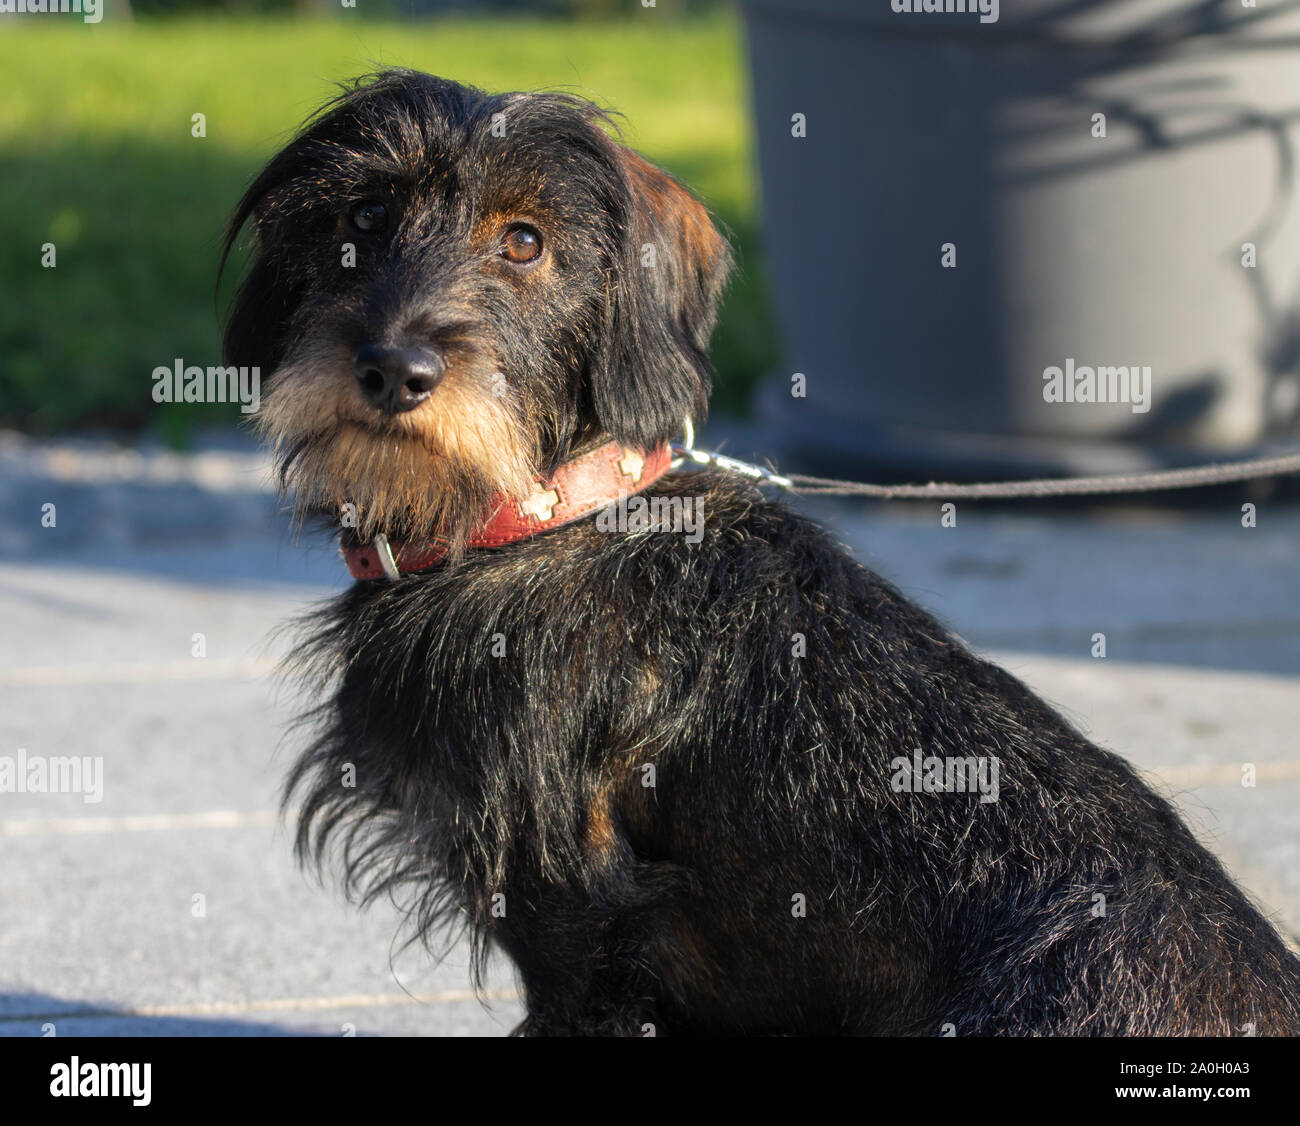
[[523, 775]]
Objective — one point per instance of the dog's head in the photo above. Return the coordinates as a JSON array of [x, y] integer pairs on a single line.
[[453, 290]]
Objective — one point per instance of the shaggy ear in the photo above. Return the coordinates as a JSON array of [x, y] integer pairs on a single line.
[[259, 314], [651, 368], [256, 320]]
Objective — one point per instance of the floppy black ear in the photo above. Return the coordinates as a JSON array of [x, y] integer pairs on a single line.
[[258, 314], [651, 368], [256, 321]]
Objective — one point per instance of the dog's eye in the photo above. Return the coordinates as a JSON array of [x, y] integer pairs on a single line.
[[521, 244], [369, 216]]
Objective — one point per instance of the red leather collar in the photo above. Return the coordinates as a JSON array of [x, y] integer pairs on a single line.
[[577, 488]]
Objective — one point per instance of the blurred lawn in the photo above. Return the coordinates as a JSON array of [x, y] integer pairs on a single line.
[[97, 158]]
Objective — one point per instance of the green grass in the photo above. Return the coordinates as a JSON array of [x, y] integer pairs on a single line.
[[98, 158]]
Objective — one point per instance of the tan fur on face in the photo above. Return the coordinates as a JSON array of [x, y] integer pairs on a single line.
[[429, 470]]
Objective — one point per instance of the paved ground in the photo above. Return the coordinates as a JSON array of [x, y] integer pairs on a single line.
[[99, 931]]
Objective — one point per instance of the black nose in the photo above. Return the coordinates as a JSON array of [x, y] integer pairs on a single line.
[[398, 379]]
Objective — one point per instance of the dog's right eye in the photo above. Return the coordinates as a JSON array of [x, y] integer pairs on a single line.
[[522, 244], [369, 216]]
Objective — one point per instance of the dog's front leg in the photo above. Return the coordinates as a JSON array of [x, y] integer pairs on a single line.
[[581, 959], [592, 995], [551, 1022]]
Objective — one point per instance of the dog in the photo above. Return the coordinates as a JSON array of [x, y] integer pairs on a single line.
[[687, 784]]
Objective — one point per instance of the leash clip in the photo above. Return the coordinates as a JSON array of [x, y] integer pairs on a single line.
[[721, 461]]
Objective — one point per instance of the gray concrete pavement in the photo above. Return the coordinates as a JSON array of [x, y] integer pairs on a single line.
[[99, 932]]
